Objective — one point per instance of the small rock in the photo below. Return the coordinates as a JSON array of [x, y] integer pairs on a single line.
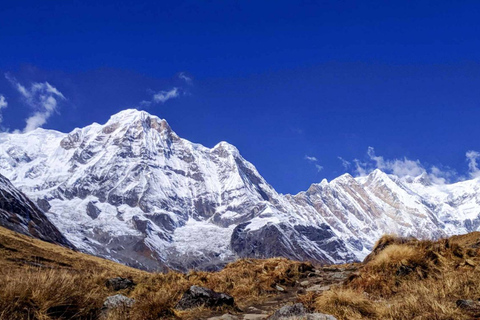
[[339, 276], [304, 283], [199, 296], [254, 316], [119, 284], [289, 311], [470, 263], [319, 316], [279, 288], [297, 312], [226, 316], [318, 288], [469, 306], [253, 309]]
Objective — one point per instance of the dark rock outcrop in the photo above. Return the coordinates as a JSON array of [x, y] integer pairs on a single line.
[[92, 210], [20, 214], [470, 306], [199, 296], [119, 284]]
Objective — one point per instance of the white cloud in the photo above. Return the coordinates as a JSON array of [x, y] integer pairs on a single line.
[[185, 78], [403, 168], [472, 158], [360, 168], [346, 164], [42, 97], [164, 96], [399, 167], [314, 160], [3, 105]]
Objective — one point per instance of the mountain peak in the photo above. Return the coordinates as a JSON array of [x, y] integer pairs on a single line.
[[131, 115], [140, 118], [230, 148]]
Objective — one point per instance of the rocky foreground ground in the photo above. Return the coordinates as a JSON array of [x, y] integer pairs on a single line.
[[401, 279], [285, 305]]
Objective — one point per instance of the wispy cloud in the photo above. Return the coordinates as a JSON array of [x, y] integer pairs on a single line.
[[183, 76], [314, 160], [161, 97], [164, 96], [472, 158], [399, 167], [41, 97], [3, 105], [405, 168], [360, 168], [346, 164]]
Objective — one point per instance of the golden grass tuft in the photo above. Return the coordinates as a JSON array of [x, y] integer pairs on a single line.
[[346, 304], [409, 279], [49, 294]]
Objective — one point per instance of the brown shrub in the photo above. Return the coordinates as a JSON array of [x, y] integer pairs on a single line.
[[409, 279], [346, 304], [46, 294]]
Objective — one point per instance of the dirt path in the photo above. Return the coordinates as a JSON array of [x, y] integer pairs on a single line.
[[322, 279]]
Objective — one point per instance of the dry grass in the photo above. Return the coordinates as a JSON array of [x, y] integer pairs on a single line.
[[41, 281], [401, 279], [46, 294], [408, 279], [346, 304]]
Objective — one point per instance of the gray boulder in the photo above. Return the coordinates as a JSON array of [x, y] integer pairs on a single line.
[[199, 296], [118, 303], [297, 312]]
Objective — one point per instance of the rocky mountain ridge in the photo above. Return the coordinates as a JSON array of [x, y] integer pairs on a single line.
[[20, 214], [133, 191]]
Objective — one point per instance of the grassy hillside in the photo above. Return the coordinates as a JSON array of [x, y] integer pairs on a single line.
[[400, 279], [43, 281], [409, 279]]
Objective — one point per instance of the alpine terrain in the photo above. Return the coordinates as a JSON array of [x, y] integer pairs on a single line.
[[20, 214], [133, 191]]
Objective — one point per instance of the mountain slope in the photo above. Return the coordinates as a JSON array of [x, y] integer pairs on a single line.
[[20, 214], [133, 191]]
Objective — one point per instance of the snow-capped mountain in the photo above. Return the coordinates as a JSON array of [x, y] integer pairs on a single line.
[[20, 214], [133, 191]]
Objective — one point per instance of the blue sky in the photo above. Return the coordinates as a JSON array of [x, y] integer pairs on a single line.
[[293, 84]]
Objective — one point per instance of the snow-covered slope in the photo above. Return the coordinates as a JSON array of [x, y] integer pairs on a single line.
[[133, 191]]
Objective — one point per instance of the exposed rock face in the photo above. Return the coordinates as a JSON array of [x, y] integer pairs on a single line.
[[199, 296], [119, 284], [470, 306], [117, 303], [133, 191], [298, 311], [20, 214]]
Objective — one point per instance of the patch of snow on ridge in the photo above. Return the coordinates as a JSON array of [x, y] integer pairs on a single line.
[[198, 237]]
